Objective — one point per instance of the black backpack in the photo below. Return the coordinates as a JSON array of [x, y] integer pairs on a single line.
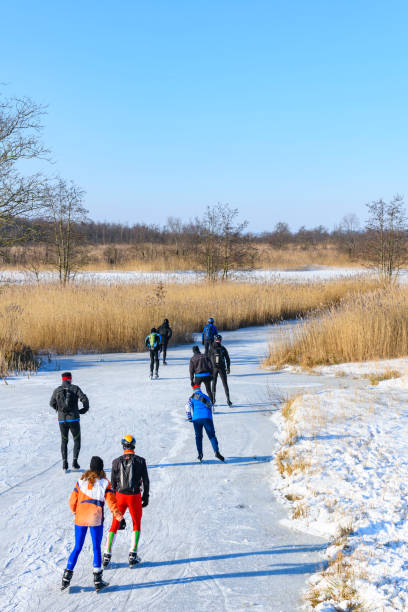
[[218, 357], [66, 400]]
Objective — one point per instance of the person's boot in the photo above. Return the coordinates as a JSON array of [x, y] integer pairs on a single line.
[[65, 465], [76, 465], [229, 402], [98, 582], [151, 375], [106, 559], [200, 458], [219, 456], [66, 579], [156, 375], [134, 558]]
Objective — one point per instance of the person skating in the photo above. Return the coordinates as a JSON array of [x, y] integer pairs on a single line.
[[201, 370], [166, 333], [129, 473], [199, 411], [64, 400], [86, 502], [153, 343], [209, 333], [221, 364]]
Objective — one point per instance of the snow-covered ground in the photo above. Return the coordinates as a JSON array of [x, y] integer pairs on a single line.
[[349, 448], [315, 273], [212, 537]]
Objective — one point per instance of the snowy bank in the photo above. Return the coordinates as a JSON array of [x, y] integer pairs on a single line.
[[109, 277], [342, 468]]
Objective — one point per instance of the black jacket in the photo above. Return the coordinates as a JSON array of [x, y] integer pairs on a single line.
[[220, 357], [165, 331], [128, 473], [200, 364], [64, 400]]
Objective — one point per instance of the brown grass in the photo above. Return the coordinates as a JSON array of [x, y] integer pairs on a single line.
[[86, 318], [364, 327], [375, 378]]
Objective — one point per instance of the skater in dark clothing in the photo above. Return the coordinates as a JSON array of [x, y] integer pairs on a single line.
[[166, 333], [64, 400], [87, 503], [199, 412], [201, 370], [153, 343], [221, 364], [129, 476], [209, 333]]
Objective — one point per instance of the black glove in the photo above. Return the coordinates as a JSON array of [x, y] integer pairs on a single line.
[[83, 410], [122, 524], [145, 502]]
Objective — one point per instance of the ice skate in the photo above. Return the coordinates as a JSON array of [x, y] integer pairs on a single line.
[[219, 456], [99, 582], [106, 559], [75, 465], [66, 579], [134, 559]]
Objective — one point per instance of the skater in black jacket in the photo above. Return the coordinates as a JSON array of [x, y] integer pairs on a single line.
[[221, 366], [201, 370], [166, 333], [129, 479], [64, 400]]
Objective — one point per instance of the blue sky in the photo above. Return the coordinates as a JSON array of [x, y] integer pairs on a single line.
[[292, 111]]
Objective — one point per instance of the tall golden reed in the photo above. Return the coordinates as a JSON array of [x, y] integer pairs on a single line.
[[365, 327], [87, 318]]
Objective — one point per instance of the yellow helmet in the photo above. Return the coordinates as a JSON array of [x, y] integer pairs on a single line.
[[128, 442]]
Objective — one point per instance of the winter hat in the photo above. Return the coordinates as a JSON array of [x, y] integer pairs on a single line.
[[96, 465], [196, 349], [66, 376], [153, 330]]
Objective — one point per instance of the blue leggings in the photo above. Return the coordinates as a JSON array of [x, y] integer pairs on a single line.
[[96, 535], [209, 430]]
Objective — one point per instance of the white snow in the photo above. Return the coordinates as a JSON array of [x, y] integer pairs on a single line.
[[211, 535], [354, 442], [311, 274]]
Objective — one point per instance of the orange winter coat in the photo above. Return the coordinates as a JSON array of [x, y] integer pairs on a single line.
[[87, 502]]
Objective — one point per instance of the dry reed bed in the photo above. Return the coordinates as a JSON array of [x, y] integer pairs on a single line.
[[90, 318], [361, 328]]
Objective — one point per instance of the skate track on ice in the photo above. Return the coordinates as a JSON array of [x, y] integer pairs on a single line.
[[211, 538]]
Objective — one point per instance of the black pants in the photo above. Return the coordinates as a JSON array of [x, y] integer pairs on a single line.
[[164, 348], [75, 428], [223, 375], [154, 360], [207, 381], [208, 346]]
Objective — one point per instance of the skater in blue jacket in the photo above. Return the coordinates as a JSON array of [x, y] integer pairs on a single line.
[[209, 333], [199, 412]]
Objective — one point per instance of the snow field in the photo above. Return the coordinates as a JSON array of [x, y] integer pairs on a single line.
[[348, 449], [211, 535]]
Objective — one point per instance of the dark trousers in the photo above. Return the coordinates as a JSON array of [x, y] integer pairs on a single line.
[[154, 360], [75, 429], [164, 348], [208, 346], [208, 425], [207, 381], [223, 375]]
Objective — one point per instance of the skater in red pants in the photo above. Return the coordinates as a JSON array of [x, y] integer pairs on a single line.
[[129, 475]]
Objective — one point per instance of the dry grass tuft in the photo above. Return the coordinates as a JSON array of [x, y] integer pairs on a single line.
[[375, 378], [362, 327]]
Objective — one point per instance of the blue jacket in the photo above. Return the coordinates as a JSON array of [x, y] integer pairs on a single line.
[[209, 332], [199, 406]]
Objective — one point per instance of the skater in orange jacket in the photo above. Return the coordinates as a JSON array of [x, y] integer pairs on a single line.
[[86, 502]]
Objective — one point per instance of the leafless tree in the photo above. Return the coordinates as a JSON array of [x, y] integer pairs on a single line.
[[386, 245], [220, 242], [63, 207], [20, 131]]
